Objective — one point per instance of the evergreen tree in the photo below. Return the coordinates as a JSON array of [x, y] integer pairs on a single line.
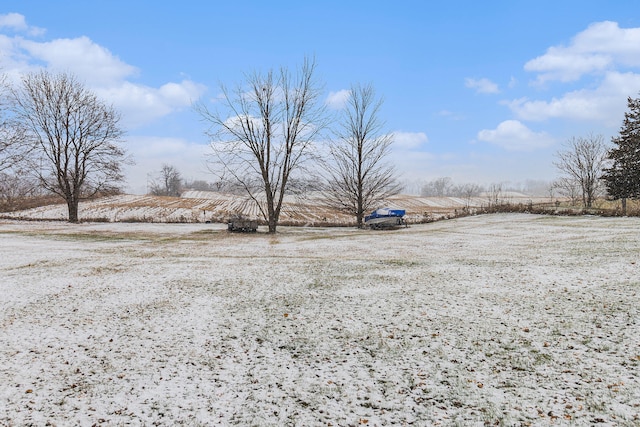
[[622, 178]]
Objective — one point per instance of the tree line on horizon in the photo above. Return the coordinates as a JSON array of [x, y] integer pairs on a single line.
[[57, 137]]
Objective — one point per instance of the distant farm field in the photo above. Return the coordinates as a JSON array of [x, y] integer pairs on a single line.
[[203, 206], [510, 319]]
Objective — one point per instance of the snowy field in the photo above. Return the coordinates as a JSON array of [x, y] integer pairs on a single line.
[[488, 320]]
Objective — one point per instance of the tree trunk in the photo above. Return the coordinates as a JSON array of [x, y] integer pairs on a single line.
[[359, 211], [72, 205], [272, 217], [360, 199], [272, 224]]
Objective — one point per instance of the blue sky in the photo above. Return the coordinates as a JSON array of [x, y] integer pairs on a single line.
[[480, 92]]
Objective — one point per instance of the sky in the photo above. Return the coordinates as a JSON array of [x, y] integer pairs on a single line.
[[483, 92]]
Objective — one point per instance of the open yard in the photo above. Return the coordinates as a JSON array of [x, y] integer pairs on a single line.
[[490, 320]]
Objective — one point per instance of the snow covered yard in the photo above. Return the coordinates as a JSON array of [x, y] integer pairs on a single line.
[[488, 320]]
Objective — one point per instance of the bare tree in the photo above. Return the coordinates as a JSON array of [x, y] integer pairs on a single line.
[[16, 188], [582, 161], [568, 187], [202, 185], [494, 195], [266, 134], [439, 187], [168, 182], [359, 177], [467, 191], [76, 137], [14, 145], [444, 186]]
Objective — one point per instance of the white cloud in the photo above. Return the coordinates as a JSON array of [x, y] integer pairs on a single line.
[[560, 64], [17, 22], [102, 71], [512, 135], [183, 93], [337, 100], [604, 104], [14, 21], [602, 46], [483, 85], [141, 104], [91, 62], [450, 115], [606, 53], [409, 140]]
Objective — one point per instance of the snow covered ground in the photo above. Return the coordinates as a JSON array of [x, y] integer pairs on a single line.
[[502, 319]]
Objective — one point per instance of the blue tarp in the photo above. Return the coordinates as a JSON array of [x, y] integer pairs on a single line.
[[385, 213]]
